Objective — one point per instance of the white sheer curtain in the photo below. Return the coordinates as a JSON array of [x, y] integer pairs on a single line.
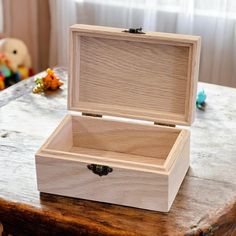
[[214, 20], [1, 17]]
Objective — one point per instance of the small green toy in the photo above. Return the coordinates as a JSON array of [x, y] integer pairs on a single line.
[[201, 100]]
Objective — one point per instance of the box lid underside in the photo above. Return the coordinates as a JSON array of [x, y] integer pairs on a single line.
[[149, 76]]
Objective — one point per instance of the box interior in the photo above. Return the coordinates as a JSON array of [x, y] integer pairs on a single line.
[[114, 141]]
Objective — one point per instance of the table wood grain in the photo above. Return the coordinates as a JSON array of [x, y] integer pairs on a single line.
[[205, 204]]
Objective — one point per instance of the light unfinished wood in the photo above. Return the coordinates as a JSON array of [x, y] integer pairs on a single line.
[[150, 76], [140, 181], [149, 190], [124, 137], [178, 171], [126, 144], [119, 157], [62, 139], [122, 186]]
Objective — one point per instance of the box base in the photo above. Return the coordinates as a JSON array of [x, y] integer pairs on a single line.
[[141, 185]]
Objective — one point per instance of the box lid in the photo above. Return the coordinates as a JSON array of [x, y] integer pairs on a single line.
[[149, 76]]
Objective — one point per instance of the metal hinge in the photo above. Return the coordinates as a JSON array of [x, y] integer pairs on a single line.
[[163, 124], [90, 114], [100, 116]]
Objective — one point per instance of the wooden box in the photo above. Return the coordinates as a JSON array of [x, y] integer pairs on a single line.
[[132, 162]]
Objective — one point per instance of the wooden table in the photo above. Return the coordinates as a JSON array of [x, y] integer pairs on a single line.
[[205, 204]]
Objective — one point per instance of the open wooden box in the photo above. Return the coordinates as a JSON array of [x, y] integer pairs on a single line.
[[149, 77]]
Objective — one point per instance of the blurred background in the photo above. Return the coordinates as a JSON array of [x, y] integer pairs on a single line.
[[43, 26]]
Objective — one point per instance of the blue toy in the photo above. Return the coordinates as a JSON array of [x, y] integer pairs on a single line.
[[200, 101]]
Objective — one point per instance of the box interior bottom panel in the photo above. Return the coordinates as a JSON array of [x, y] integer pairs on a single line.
[[114, 140]]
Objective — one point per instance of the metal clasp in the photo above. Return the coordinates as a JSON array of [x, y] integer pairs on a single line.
[[134, 31], [99, 169]]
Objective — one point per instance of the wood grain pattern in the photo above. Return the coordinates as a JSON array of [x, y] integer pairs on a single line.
[[178, 171], [119, 157], [222, 222], [131, 138], [116, 73], [112, 142], [62, 137], [124, 186], [138, 75], [151, 77], [141, 156], [206, 199], [121, 186]]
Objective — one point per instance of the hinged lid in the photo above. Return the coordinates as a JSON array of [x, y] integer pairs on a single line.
[[149, 76]]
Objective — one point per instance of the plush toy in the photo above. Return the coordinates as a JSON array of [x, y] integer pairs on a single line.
[[49, 81], [15, 62], [16, 52]]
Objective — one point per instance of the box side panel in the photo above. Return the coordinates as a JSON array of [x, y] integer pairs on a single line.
[[178, 171], [62, 138], [151, 142], [57, 175], [169, 37], [193, 73]]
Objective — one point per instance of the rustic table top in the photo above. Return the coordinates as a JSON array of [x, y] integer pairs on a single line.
[[205, 204]]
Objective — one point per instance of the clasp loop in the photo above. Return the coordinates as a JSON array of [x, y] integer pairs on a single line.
[[134, 31]]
